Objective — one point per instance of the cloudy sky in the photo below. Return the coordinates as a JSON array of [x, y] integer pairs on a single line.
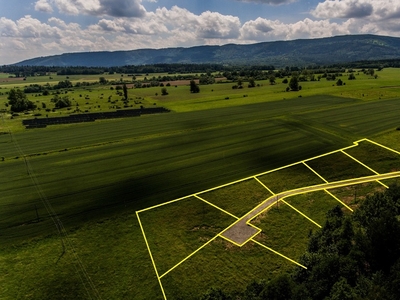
[[31, 28]]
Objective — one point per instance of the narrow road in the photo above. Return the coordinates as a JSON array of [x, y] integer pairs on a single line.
[[241, 231]]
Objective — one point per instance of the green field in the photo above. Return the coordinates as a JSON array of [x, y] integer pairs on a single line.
[[95, 176], [354, 194], [314, 205], [239, 198], [338, 166], [298, 174], [176, 230], [96, 98], [284, 230], [213, 267]]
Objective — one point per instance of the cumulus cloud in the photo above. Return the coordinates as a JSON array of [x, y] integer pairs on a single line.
[[8, 28], [271, 2], [267, 30], [178, 27], [214, 25], [120, 8], [43, 6], [151, 27], [343, 9], [27, 27], [389, 9]]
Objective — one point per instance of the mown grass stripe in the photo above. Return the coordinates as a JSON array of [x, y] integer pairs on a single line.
[[305, 216], [280, 254], [264, 185], [209, 203], [151, 256], [340, 201], [315, 172]]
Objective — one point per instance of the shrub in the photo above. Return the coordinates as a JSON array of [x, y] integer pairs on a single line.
[[164, 91]]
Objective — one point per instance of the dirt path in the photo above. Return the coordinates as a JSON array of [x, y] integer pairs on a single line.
[[241, 231]]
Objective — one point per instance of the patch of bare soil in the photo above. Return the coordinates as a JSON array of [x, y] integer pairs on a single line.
[[11, 79]]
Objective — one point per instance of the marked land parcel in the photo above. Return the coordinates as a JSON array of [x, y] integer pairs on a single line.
[[257, 216]]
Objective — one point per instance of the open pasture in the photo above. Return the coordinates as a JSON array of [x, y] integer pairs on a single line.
[[137, 166], [96, 175], [285, 226], [352, 195], [98, 98]]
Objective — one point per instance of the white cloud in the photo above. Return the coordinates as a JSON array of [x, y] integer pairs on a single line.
[[43, 6], [114, 8], [122, 8], [367, 16], [214, 25], [27, 27], [271, 2], [268, 30], [175, 27], [8, 28], [389, 9], [343, 9], [208, 25], [375, 9]]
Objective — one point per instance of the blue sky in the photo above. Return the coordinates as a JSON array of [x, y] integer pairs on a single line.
[[31, 28]]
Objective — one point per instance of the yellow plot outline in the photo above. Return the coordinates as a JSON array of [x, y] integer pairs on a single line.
[[196, 195]]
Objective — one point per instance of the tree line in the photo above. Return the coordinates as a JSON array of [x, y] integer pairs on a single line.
[[351, 257]]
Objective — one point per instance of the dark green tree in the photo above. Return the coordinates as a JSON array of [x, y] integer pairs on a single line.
[[371, 72], [194, 88], [341, 290], [18, 101], [294, 83], [279, 288], [102, 80], [164, 91], [215, 294], [271, 79], [252, 83], [62, 102], [63, 84], [125, 89]]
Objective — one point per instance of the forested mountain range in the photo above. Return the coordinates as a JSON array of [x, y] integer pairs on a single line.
[[306, 52]]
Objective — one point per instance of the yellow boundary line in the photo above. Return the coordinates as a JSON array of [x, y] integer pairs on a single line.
[[387, 148], [193, 253], [151, 256], [269, 190], [364, 165], [248, 223], [246, 241], [340, 201], [305, 216], [355, 144], [276, 252], [315, 172], [165, 203], [395, 174], [209, 203], [381, 183]]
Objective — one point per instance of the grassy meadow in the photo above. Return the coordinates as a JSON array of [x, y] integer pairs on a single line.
[[96, 176]]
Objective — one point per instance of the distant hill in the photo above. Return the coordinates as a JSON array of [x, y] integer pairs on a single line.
[[304, 52]]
